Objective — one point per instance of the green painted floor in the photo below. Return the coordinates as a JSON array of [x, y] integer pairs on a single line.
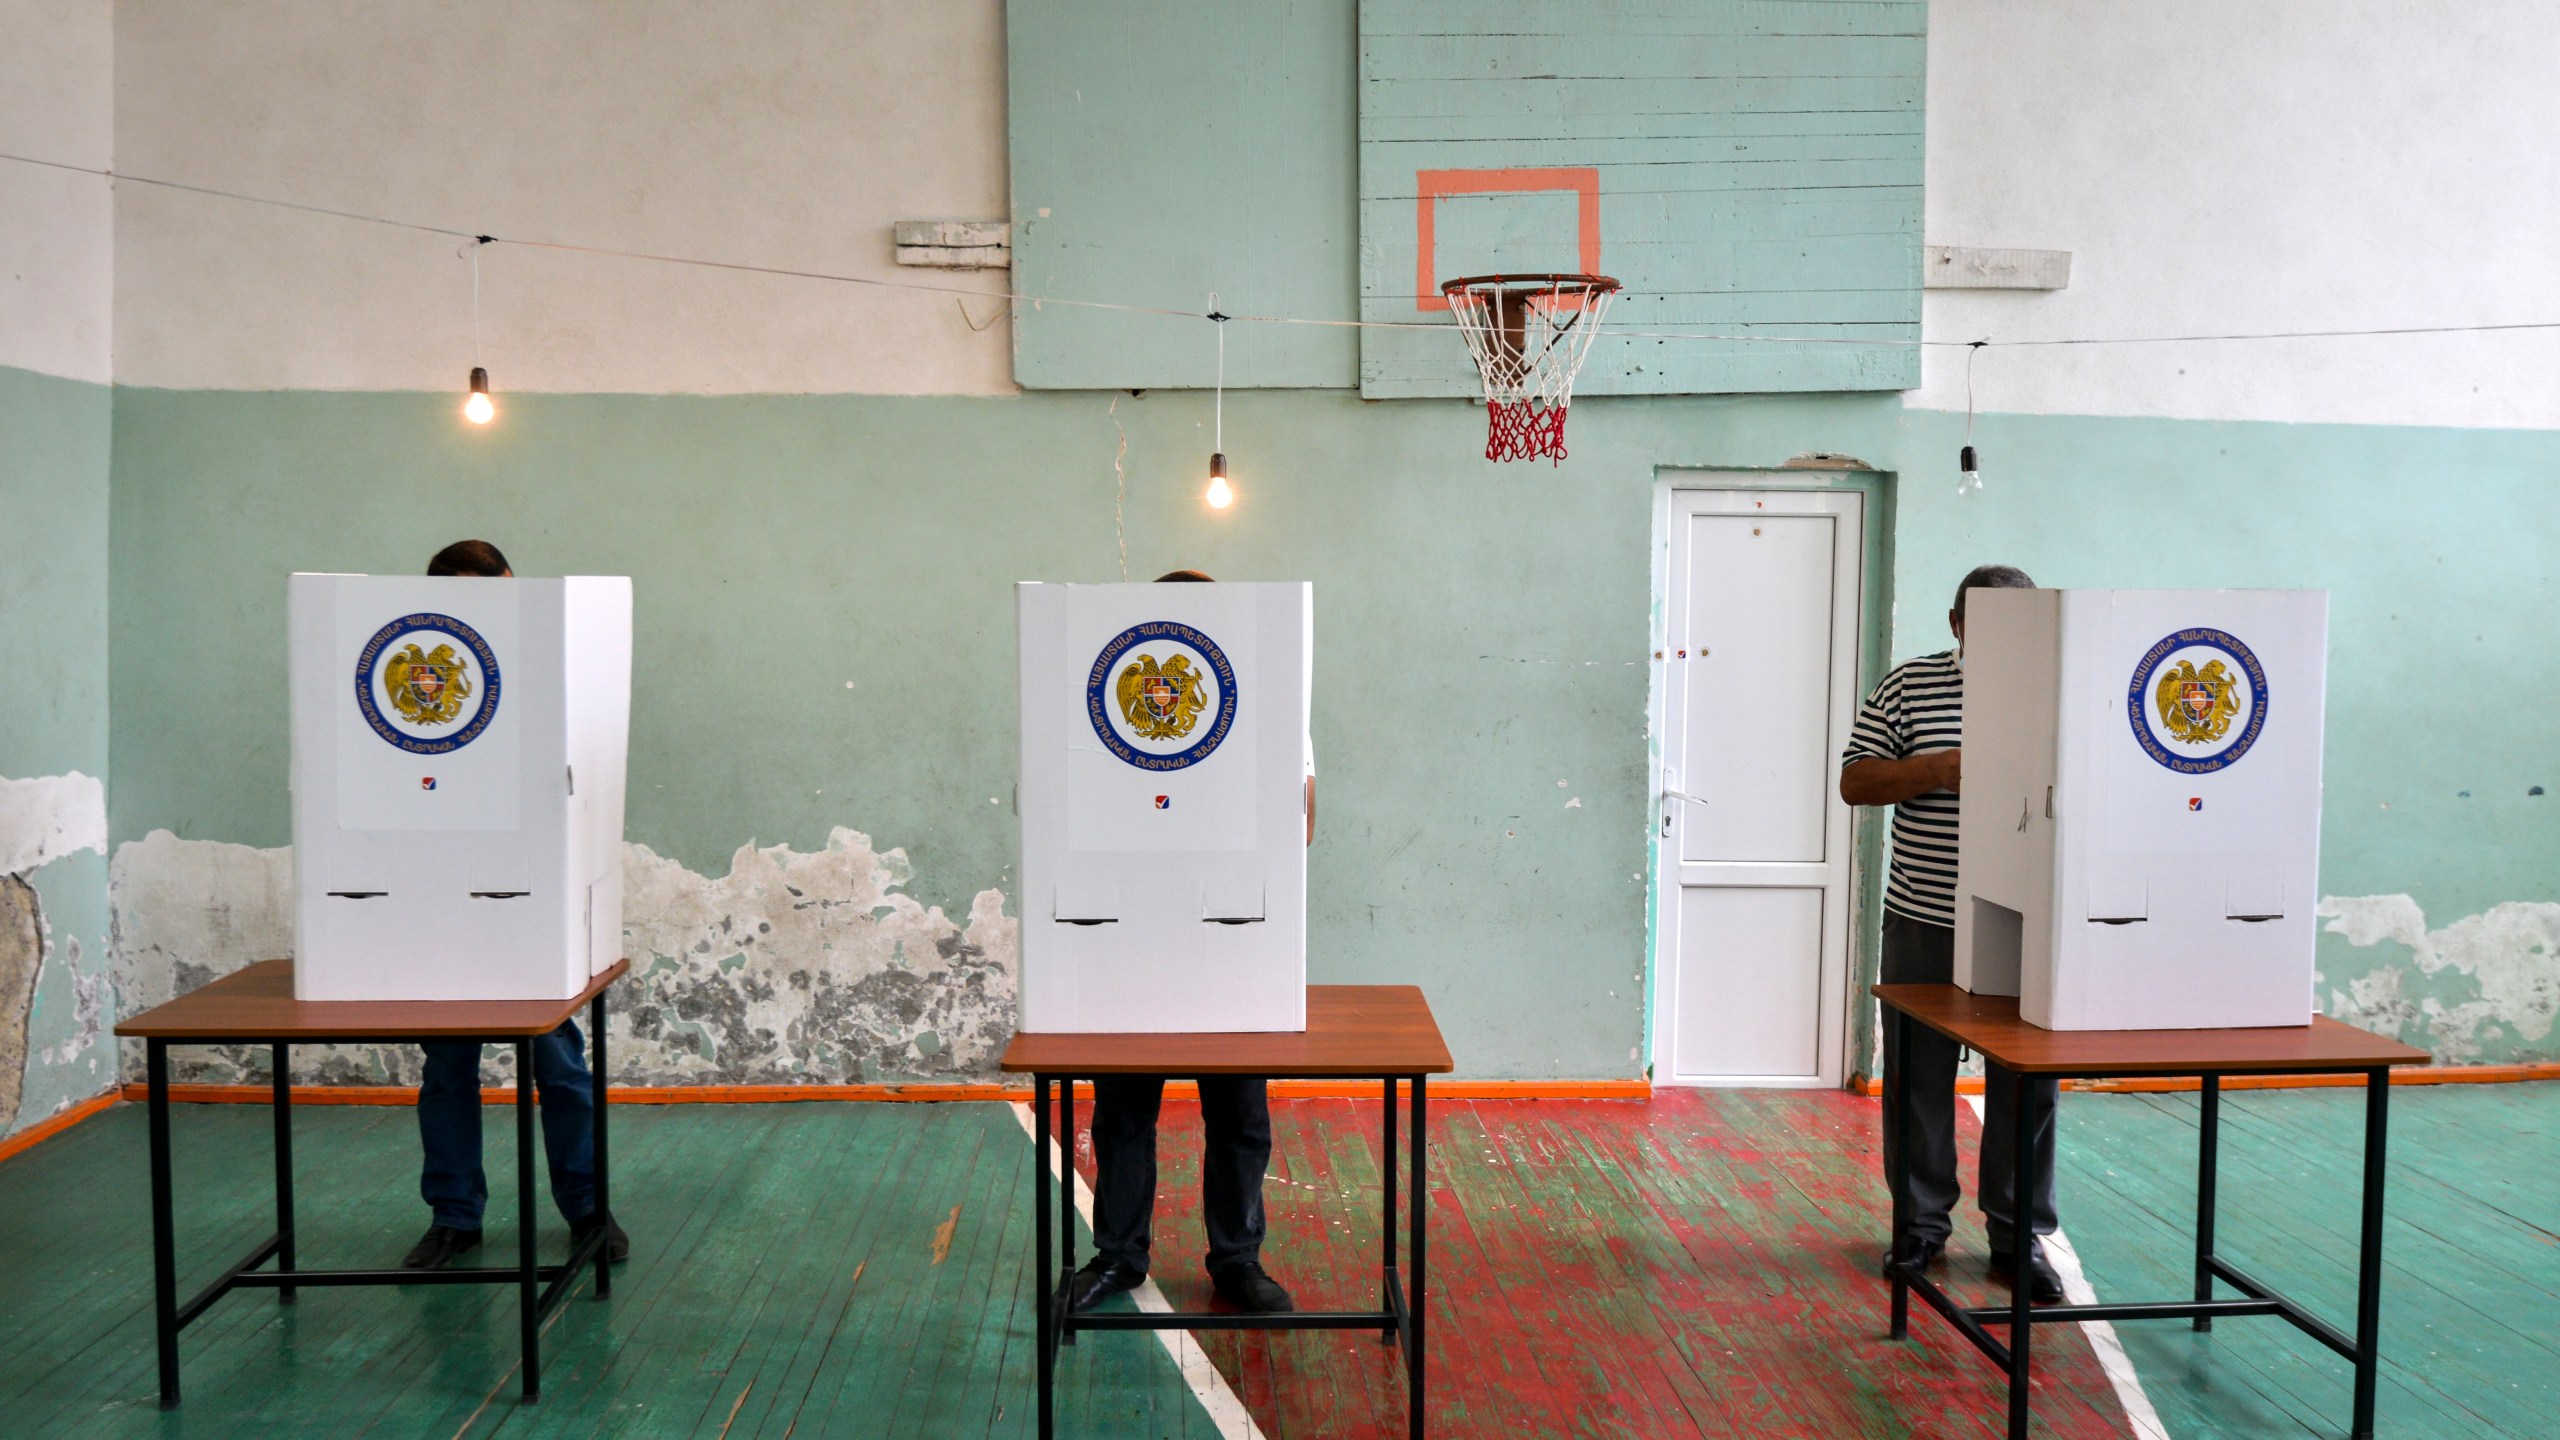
[[1693, 1265], [2471, 1288]]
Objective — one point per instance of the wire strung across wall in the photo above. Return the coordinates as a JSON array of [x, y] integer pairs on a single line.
[[1019, 298]]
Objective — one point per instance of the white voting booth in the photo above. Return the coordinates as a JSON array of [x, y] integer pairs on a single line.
[[458, 754], [2140, 840], [1164, 863]]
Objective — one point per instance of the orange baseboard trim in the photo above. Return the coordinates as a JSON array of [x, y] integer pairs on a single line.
[[1868, 1085], [915, 1093], [46, 1129]]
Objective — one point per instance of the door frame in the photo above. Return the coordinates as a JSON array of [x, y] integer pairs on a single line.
[[1856, 1019]]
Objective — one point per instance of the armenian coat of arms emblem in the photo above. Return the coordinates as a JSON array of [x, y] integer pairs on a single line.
[[1161, 696], [2198, 700], [2197, 705], [427, 684], [427, 687], [1161, 702]]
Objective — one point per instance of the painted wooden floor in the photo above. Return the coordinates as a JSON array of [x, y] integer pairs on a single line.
[[1699, 1265]]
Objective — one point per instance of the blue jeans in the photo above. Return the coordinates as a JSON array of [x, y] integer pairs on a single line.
[[453, 1185]]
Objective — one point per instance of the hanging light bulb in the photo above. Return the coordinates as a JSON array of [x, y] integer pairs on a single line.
[[477, 409], [1221, 494], [1969, 474]]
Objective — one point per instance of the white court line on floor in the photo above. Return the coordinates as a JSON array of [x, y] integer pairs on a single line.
[[2102, 1336], [1226, 1411]]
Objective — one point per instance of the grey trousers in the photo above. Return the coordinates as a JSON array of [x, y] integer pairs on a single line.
[[1918, 953]]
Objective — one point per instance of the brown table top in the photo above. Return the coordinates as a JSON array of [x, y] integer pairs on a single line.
[[1352, 1030], [256, 1003], [1990, 1024]]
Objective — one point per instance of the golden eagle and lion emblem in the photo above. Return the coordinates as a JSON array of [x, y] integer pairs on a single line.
[[427, 688], [2197, 706], [1161, 702]]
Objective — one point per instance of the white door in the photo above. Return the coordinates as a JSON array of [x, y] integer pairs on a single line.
[[1759, 685]]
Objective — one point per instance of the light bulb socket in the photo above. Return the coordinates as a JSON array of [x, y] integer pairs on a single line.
[[1964, 461], [480, 384], [1218, 466]]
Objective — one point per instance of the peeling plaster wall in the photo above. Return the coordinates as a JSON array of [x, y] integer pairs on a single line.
[[791, 968], [2486, 985], [53, 743]]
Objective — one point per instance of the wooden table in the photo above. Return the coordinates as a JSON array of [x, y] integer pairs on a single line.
[[1990, 1024], [255, 1005], [1366, 1032]]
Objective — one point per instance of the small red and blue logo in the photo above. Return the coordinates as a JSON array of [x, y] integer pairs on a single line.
[[426, 782], [1164, 802], [2195, 802]]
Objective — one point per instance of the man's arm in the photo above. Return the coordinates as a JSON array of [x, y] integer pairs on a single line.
[[1890, 782]]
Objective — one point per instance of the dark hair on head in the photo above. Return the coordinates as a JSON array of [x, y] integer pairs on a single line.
[[1192, 575], [1990, 577], [469, 557]]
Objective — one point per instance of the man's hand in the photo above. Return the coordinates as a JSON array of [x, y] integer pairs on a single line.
[[1890, 782]]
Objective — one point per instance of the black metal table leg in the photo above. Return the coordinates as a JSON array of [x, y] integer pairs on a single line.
[[1067, 1202], [1897, 1135], [527, 1281], [2208, 1163], [1389, 1334], [1417, 1300], [2022, 1245], [282, 1061], [2377, 1131], [1044, 1281], [604, 1153], [164, 1237]]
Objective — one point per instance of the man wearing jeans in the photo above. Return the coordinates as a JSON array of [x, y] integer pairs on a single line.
[[1906, 752], [453, 1185]]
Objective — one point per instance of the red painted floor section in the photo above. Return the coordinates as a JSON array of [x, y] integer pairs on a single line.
[[1699, 1264]]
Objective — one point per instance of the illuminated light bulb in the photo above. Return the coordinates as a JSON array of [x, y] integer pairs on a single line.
[[1221, 494], [1970, 482], [477, 409]]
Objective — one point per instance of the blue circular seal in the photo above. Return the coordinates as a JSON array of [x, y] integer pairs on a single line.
[[2198, 700], [1161, 712], [430, 701]]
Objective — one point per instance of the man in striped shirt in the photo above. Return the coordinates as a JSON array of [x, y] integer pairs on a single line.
[[1906, 752]]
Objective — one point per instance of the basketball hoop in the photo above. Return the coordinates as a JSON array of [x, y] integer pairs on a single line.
[[1529, 335]]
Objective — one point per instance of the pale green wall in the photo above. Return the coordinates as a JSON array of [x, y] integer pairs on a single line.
[[1162, 150], [1483, 631], [53, 702]]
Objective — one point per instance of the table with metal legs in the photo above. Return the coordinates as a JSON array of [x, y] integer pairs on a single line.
[[1989, 1025], [256, 1006], [1380, 1033]]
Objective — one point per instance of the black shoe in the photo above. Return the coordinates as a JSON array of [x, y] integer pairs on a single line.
[[1099, 1280], [437, 1248], [2044, 1286], [617, 1246], [1246, 1287], [1919, 1254]]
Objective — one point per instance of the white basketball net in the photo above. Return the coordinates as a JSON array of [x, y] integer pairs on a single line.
[[1529, 335]]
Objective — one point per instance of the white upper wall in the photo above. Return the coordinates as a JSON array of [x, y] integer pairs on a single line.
[[2270, 165], [57, 102], [771, 132]]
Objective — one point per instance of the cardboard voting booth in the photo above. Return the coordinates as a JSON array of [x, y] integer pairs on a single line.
[[2140, 838], [458, 753], [1164, 863]]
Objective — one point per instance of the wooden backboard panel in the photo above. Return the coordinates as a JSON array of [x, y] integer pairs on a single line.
[[1744, 167]]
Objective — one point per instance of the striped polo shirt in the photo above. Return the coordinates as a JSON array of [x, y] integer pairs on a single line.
[[1917, 709]]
